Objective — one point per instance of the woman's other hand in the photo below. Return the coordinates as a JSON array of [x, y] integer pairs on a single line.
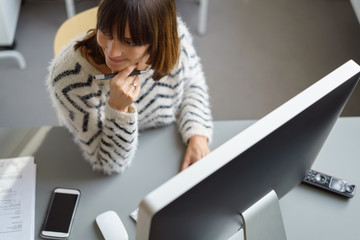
[[124, 90], [197, 148]]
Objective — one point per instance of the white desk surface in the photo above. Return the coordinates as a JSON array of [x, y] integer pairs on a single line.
[[308, 213]]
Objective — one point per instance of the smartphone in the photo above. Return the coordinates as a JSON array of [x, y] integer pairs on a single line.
[[60, 213]]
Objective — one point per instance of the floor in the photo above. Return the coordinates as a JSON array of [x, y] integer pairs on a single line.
[[255, 54]]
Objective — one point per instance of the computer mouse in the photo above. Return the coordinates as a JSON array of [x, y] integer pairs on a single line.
[[111, 226]]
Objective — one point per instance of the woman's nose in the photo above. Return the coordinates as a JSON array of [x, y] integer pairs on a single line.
[[114, 49]]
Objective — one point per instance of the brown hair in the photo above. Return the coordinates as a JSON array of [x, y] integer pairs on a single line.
[[151, 22]]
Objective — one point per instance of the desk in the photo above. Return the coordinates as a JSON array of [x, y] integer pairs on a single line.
[[308, 213]]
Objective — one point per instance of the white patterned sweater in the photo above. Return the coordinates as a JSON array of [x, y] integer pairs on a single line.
[[108, 138]]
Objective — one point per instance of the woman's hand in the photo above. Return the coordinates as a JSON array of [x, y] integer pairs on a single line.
[[124, 90], [197, 148]]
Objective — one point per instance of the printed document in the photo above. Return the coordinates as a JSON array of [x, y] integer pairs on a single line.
[[17, 198]]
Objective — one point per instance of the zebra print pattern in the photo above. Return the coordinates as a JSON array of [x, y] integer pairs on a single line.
[[109, 138]]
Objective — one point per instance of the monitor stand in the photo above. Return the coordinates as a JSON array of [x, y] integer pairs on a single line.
[[262, 221]]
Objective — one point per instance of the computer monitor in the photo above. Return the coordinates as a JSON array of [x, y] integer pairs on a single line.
[[275, 153]]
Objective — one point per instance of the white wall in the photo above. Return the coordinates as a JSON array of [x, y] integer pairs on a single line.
[[9, 12]]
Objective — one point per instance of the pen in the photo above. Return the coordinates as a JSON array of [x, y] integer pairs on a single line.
[[109, 76]]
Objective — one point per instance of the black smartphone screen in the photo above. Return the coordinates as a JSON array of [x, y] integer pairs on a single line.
[[60, 212]]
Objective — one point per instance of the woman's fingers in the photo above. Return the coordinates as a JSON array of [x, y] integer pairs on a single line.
[[124, 89]]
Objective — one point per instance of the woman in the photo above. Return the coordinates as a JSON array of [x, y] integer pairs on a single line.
[[105, 116]]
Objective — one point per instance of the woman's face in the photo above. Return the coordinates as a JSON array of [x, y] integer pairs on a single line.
[[119, 55]]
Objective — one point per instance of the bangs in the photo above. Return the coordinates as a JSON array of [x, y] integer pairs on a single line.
[[114, 16]]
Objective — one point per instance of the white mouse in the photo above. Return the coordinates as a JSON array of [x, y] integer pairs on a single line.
[[111, 226]]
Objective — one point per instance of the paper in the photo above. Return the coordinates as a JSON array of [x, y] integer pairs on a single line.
[[17, 198]]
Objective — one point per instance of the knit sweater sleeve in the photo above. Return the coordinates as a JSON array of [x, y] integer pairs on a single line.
[[107, 137], [194, 113]]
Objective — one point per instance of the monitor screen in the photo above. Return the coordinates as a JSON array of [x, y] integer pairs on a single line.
[[205, 201]]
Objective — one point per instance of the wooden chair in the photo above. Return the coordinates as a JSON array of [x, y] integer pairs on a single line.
[[73, 27]]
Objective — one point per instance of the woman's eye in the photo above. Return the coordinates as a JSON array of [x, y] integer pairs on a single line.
[[130, 43], [107, 34]]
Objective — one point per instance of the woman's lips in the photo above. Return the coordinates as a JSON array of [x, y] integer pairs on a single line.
[[114, 60]]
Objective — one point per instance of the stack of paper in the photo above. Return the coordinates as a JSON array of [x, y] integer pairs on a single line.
[[17, 198]]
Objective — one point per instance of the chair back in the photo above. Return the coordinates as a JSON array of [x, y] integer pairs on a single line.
[[73, 27]]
